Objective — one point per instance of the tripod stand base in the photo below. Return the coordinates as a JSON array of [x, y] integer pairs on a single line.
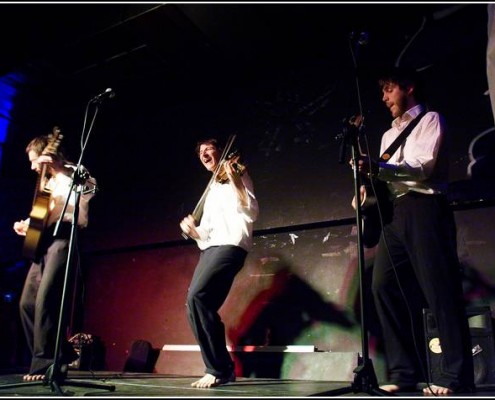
[[55, 380], [364, 382]]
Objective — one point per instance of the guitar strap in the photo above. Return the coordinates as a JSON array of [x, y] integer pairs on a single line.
[[387, 154], [379, 207]]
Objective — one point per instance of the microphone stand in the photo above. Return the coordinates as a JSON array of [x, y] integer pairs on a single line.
[[365, 380], [56, 374]]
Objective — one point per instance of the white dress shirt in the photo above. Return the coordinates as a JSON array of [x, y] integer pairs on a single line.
[[59, 185], [225, 221], [421, 163]]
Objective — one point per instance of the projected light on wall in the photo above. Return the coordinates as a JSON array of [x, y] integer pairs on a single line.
[[8, 89]]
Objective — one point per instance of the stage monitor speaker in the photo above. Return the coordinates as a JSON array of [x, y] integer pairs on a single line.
[[142, 357], [482, 341]]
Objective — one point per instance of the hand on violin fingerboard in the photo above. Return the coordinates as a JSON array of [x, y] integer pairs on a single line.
[[231, 168]]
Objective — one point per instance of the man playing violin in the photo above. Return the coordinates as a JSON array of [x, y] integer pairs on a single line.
[[224, 236]]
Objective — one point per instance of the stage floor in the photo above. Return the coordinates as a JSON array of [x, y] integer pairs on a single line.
[[117, 384]]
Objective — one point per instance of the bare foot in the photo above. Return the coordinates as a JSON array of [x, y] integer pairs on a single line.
[[435, 390], [30, 377], [391, 388], [209, 381]]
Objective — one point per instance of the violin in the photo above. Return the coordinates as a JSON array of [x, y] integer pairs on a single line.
[[239, 168]]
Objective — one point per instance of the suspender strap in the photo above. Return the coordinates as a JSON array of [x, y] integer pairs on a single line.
[[387, 154]]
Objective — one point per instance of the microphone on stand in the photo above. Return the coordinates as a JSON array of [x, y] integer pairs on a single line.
[[108, 93], [364, 38], [357, 41]]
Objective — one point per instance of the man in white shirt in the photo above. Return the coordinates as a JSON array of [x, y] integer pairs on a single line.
[[416, 264], [224, 236]]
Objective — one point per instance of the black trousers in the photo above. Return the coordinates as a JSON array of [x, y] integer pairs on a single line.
[[416, 266], [40, 304], [210, 285]]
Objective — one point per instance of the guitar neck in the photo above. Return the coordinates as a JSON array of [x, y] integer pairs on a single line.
[[41, 182]]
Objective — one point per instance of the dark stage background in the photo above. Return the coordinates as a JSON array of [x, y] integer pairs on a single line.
[[282, 78]]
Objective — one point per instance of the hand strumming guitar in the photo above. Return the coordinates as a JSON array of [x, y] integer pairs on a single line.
[[366, 166]]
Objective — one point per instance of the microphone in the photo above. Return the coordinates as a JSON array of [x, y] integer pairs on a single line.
[[364, 38], [360, 39], [108, 93]]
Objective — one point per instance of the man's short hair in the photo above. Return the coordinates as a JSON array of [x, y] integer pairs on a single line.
[[403, 77]]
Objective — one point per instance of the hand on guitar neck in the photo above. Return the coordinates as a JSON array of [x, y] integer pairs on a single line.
[[44, 159], [21, 227], [366, 166]]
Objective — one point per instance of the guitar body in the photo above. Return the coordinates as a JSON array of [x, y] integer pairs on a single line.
[[37, 225], [38, 217], [376, 208], [381, 211]]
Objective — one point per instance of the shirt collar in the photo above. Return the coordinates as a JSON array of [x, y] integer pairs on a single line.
[[408, 115]]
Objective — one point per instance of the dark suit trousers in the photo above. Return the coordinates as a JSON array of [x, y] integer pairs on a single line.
[[40, 304], [417, 259], [210, 285]]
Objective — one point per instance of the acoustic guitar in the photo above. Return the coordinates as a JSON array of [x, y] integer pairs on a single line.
[[376, 209], [376, 206], [39, 213]]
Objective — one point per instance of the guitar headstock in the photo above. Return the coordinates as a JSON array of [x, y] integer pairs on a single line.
[[54, 140]]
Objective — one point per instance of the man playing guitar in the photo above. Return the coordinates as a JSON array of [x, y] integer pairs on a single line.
[[41, 296], [416, 265]]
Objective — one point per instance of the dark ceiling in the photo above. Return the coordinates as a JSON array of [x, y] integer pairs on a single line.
[[158, 56], [178, 51], [279, 74]]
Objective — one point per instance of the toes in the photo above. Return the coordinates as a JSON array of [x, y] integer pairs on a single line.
[[35, 377], [434, 390], [209, 381], [195, 384], [390, 388]]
